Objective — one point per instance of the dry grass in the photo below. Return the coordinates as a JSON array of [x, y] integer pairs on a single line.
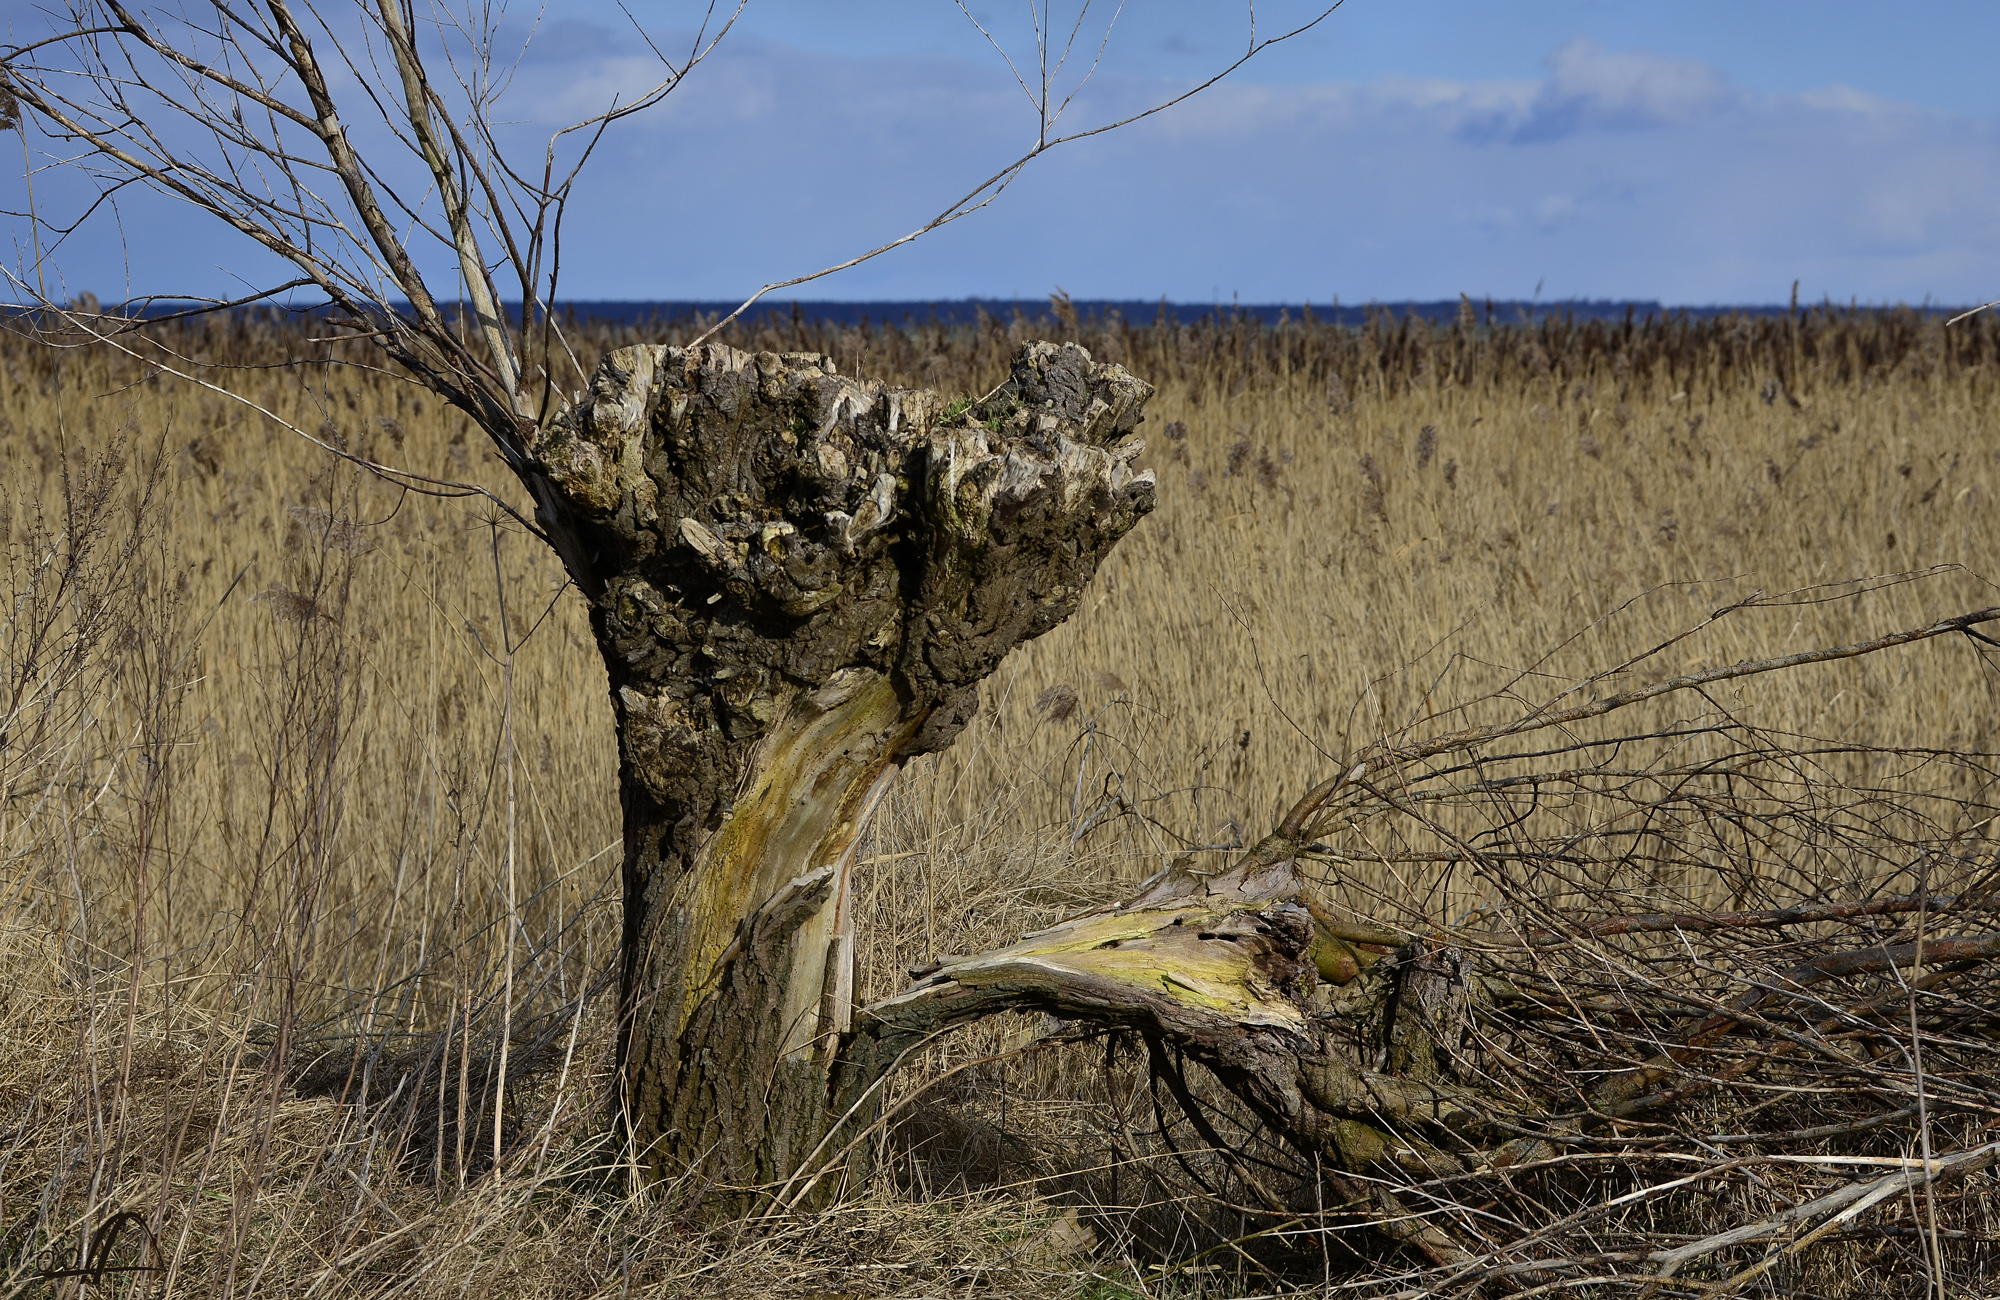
[[309, 787]]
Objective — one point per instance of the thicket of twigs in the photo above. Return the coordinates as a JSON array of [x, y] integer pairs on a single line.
[[306, 810], [1786, 1088]]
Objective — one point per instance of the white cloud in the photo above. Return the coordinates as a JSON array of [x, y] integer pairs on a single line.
[[1630, 88], [1554, 209], [1846, 99], [1590, 88]]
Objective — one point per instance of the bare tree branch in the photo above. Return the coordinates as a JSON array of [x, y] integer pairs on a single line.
[[994, 185]]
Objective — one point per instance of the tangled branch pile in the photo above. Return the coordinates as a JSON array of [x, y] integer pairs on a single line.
[[1555, 1090]]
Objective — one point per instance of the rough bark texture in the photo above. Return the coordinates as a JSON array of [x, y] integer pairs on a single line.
[[803, 579]]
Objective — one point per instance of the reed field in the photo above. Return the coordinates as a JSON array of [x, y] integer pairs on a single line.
[[309, 828]]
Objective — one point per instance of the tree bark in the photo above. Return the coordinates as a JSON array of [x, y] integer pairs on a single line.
[[800, 580]]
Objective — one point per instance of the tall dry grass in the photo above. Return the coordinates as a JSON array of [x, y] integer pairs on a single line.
[[308, 828]]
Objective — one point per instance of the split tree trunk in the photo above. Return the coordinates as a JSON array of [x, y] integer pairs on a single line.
[[800, 581]]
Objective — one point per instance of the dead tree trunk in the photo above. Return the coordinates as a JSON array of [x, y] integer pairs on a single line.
[[803, 579]]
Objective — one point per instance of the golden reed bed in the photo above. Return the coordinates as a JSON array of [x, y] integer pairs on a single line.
[[291, 756]]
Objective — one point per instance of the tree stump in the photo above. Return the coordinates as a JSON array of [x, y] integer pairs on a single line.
[[804, 577]]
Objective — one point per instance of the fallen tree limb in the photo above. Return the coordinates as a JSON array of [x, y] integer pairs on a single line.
[[1824, 1213]]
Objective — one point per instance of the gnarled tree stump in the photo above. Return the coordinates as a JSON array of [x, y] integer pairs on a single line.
[[803, 579]]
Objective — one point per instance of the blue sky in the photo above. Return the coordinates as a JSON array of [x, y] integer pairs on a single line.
[[1697, 152]]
